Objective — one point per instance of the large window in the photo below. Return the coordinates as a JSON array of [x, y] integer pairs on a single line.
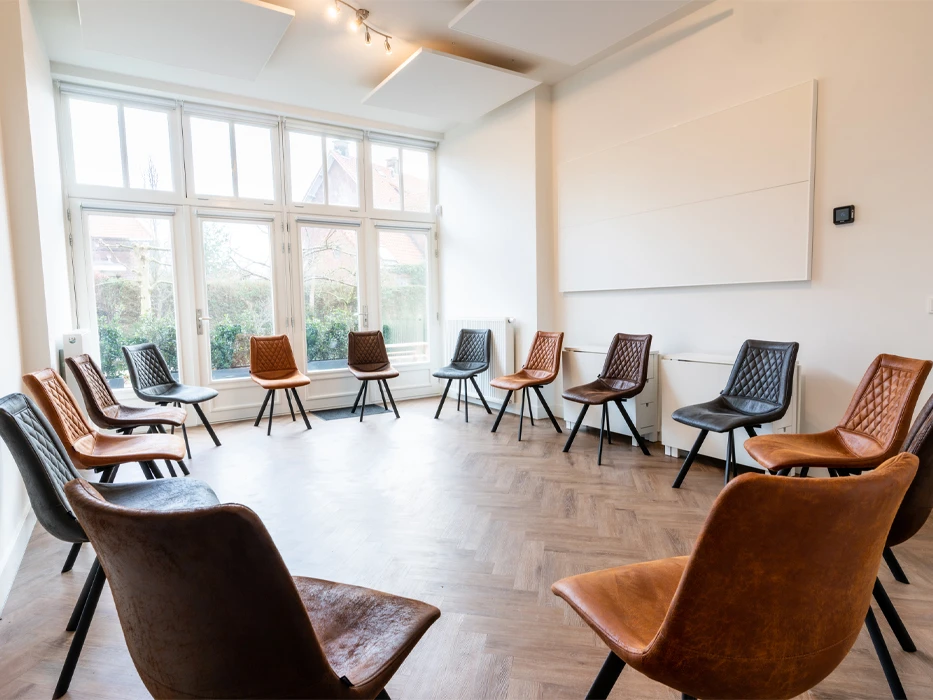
[[323, 170], [403, 285], [401, 178], [232, 159]]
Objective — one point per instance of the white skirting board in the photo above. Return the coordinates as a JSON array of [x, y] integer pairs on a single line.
[[10, 567]]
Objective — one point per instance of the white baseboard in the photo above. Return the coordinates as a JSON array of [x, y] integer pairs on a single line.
[[10, 567]]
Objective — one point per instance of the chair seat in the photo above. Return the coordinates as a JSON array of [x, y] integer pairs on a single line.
[[365, 634], [121, 416], [461, 370], [523, 378], [625, 605], [599, 392], [373, 372], [833, 448], [285, 379], [719, 417], [159, 494], [182, 393], [100, 450]]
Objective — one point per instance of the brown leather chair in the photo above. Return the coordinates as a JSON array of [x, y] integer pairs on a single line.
[[87, 447], [540, 369], [624, 375], [368, 360], [209, 609], [871, 431], [746, 615], [272, 366]]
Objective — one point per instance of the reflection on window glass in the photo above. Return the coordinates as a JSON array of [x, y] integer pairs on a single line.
[[95, 133], [305, 159], [210, 151], [403, 292], [148, 153], [385, 177], [415, 180], [254, 161], [238, 273], [343, 187], [134, 288], [330, 259]]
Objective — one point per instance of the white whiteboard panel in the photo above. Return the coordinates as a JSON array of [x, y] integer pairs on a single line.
[[724, 199]]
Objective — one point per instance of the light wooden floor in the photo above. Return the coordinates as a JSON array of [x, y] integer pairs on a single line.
[[478, 524]]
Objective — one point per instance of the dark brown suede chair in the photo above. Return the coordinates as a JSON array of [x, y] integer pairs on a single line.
[[272, 366], [624, 375], [746, 615], [209, 609], [871, 431], [540, 369], [87, 447], [368, 360]]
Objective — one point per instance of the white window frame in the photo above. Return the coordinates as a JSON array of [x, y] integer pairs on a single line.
[[401, 214], [324, 133]]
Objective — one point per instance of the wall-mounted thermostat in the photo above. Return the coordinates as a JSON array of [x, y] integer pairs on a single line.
[[844, 215]]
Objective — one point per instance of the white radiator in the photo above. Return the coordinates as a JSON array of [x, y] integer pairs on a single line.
[[503, 352]]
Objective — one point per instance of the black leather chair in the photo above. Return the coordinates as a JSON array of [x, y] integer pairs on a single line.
[[758, 391], [46, 468], [471, 357], [153, 382]]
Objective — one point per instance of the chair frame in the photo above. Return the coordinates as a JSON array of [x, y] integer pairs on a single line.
[[462, 386], [383, 384], [270, 393]]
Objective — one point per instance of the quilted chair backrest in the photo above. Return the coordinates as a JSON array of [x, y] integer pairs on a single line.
[[918, 502], [43, 464], [271, 353], [59, 405], [626, 365], [147, 367], [474, 346], [98, 396], [544, 355], [367, 348], [762, 377]]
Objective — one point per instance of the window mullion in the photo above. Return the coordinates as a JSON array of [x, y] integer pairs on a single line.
[[325, 175], [236, 183], [401, 180], [124, 158]]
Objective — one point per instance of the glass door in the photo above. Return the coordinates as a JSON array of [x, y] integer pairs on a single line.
[[403, 291]]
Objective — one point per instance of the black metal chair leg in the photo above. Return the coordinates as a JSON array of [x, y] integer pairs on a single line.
[[735, 461], [383, 695], [385, 383], [291, 409], [82, 598], [146, 471], [359, 394], [466, 401], [804, 472], [171, 469], [576, 427], [459, 391], [184, 469], [751, 431], [184, 432], [894, 565], [155, 470], [72, 555], [684, 696], [301, 409], [382, 394], [207, 425], [632, 429], [262, 409], [602, 430], [894, 620], [443, 398], [608, 675], [884, 656], [77, 642], [690, 457], [729, 444], [480, 394], [547, 409], [608, 427], [505, 404], [363, 405], [271, 411], [521, 416]]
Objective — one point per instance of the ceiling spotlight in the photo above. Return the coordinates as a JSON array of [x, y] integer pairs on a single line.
[[388, 47], [334, 10], [367, 38]]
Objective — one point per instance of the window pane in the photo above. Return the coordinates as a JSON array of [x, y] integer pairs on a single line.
[[210, 151], [330, 259], [254, 161], [134, 288], [238, 272], [415, 180], [403, 292], [307, 176], [95, 134], [342, 173], [148, 153], [385, 177]]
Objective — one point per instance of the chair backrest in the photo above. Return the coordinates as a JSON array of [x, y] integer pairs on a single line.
[[779, 583], [626, 365], [367, 348], [206, 603], [43, 464], [544, 355], [270, 353], [147, 367], [98, 396], [918, 502], [762, 377], [879, 414], [60, 407], [474, 347]]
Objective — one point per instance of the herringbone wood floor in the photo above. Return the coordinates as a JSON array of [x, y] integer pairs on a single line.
[[478, 524]]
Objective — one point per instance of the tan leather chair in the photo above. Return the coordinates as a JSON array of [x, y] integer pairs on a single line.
[[87, 447], [368, 360], [748, 615], [540, 369], [624, 375], [871, 431], [272, 366], [209, 609]]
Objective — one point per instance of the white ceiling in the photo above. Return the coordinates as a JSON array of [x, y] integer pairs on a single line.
[[318, 67]]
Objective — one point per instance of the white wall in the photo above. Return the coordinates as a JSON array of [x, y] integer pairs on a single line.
[[870, 280]]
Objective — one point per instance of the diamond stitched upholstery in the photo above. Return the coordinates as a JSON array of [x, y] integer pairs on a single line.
[[760, 376], [149, 367], [628, 360], [545, 352], [271, 354], [72, 421], [878, 410], [100, 392], [367, 348], [59, 471], [471, 346]]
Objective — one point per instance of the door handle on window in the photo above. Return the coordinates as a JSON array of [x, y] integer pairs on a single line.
[[201, 318]]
